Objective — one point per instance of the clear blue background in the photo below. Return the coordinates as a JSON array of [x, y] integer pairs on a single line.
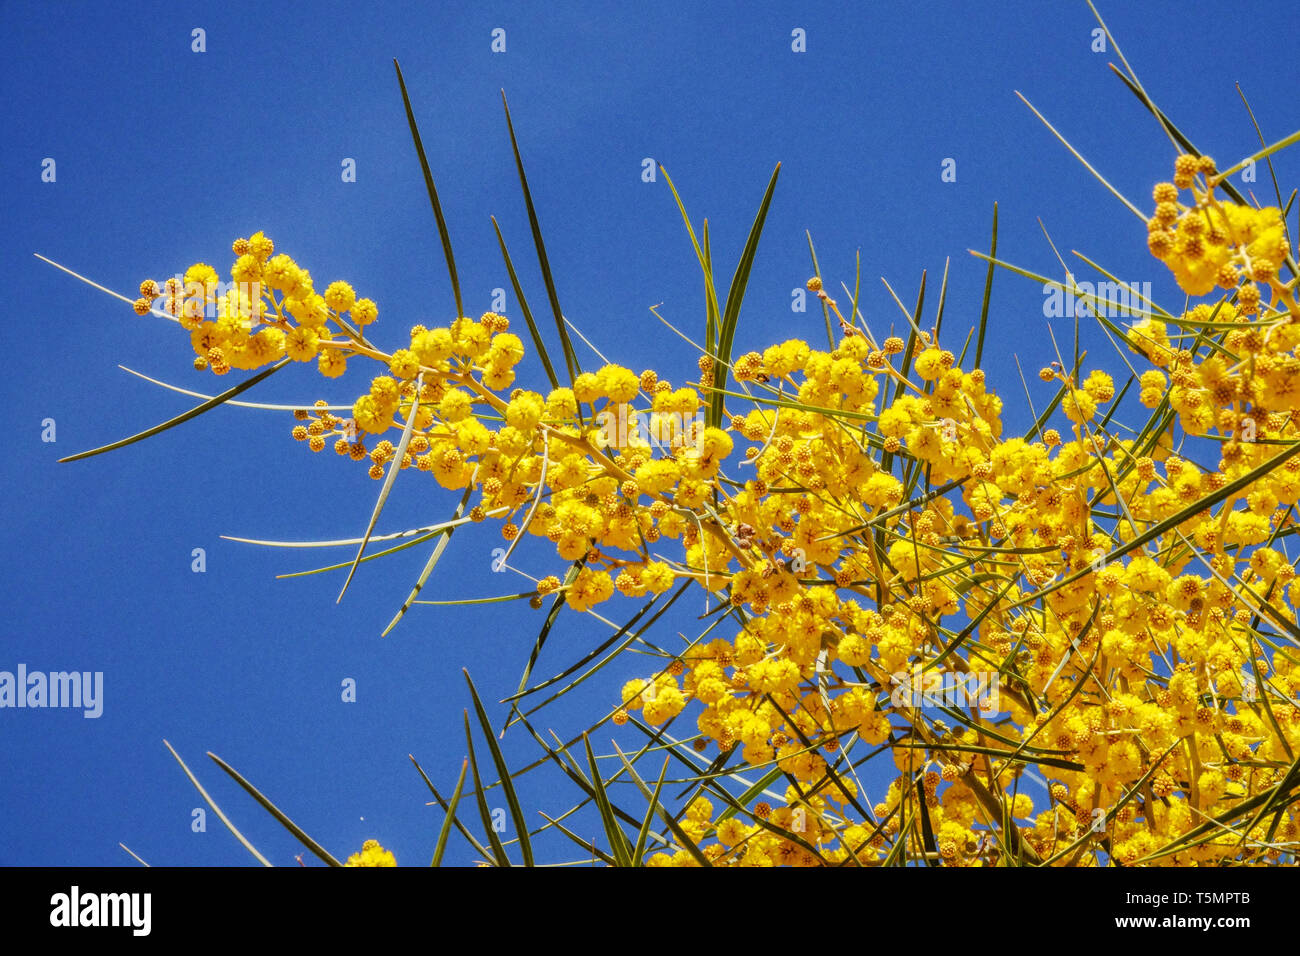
[[165, 155]]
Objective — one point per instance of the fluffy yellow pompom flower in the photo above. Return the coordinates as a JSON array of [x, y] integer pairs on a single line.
[[506, 350], [404, 364], [370, 416], [929, 364], [301, 343], [364, 311], [432, 346], [586, 388], [372, 854], [853, 650], [657, 577], [525, 411], [282, 274], [455, 405], [667, 703], [332, 363], [1079, 406], [561, 405], [340, 296], [588, 588], [620, 384], [203, 278]]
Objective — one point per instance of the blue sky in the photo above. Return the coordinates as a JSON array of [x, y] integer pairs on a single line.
[[165, 155]]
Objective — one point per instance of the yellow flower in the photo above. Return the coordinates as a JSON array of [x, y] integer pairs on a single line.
[[929, 364], [404, 364], [332, 363], [372, 854], [1079, 406], [364, 311], [589, 587], [301, 343], [340, 296], [619, 384]]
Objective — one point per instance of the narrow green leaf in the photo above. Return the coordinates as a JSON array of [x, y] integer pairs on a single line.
[[445, 830], [570, 358], [542, 352], [826, 310], [262, 406], [216, 809], [433, 192], [687, 843], [133, 855], [394, 467], [428, 566], [374, 556], [1262, 154], [618, 842], [194, 412], [272, 809], [449, 807], [988, 290], [711, 308], [927, 830], [503, 772], [1086, 165], [735, 294], [596, 851], [639, 849], [551, 615], [623, 638], [943, 298], [498, 851], [771, 777]]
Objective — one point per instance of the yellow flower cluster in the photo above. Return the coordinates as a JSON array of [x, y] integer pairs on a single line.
[[1128, 601], [243, 324], [1210, 242], [372, 854]]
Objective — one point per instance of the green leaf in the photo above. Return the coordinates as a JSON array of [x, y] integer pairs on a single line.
[[570, 358], [216, 809], [503, 773], [445, 830], [393, 468], [711, 309], [1088, 166], [988, 290], [194, 412], [542, 353], [826, 311], [498, 851], [133, 854], [736, 293], [449, 808], [428, 566], [618, 842], [596, 851], [655, 806], [639, 850], [368, 558], [272, 809], [551, 615], [433, 192], [623, 637]]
